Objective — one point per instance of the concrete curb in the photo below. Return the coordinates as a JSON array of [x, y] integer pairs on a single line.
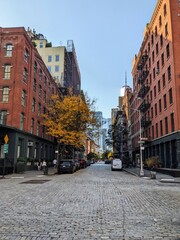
[[169, 181], [135, 174]]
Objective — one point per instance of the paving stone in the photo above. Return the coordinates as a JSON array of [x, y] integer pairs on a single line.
[[93, 203]]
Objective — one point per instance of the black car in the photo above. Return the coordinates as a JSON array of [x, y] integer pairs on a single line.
[[66, 166]]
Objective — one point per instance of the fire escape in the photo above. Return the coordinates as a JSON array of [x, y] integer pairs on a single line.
[[144, 89]]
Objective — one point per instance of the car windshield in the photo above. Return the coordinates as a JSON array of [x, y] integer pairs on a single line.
[[65, 163]]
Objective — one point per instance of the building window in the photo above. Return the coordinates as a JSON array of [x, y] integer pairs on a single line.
[[152, 132], [169, 73], [160, 21], [153, 56], [155, 91], [160, 106], [166, 29], [35, 67], [3, 117], [156, 109], [23, 98], [49, 58], [56, 68], [165, 102], [40, 74], [152, 113], [167, 51], [172, 122], [32, 125], [34, 85], [5, 94], [162, 59], [158, 68], [26, 55], [38, 129], [165, 9], [161, 40], [170, 96], [157, 48], [154, 73], [41, 45], [156, 130], [150, 78], [149, 62], [159, 86], [45, 81], [149, 47], [44, 110], [152, 39], [156, 31], [9, 48], [22, 118], [161, 128], [25, 75], [7, 71], [39, 109], [151, 95], [33, 105], [166, 125], [40, 91], [45, 96], [164, 79], [57, 58]]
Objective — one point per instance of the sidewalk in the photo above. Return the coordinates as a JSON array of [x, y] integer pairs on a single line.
[[29, 174], [147, 174]]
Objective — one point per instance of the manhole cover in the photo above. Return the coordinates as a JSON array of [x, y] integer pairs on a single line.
[[36, 181]]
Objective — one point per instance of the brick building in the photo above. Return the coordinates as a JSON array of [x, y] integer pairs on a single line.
[[156, 87], [25, 86]]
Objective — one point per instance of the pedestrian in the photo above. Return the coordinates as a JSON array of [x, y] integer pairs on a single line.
[[44, 166], [55, 163], [39, 165]]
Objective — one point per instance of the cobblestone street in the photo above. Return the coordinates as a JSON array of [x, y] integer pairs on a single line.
[[93, 203]]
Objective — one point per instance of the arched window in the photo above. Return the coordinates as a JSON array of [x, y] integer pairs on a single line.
[[165, 9]]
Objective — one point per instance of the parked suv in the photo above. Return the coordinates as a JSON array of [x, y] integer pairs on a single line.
[[67, 166]]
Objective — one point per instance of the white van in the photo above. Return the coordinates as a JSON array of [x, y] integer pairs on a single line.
[[116, 164]]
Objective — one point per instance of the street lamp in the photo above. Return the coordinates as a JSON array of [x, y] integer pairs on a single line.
[[140, 142], [140, 133]]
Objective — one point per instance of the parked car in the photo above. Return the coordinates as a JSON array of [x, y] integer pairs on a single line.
[[82, 163], [77, 164], [107, 161], [67, 166], [116, 164]]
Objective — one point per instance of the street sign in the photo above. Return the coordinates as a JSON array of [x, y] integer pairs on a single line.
[[144, 139], [6, 147], [141, 142], [6, 139], [142, 148]]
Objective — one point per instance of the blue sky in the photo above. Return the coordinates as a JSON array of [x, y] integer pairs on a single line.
[[106, 33]]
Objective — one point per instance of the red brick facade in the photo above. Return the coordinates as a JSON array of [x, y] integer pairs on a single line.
[[25, 88], [38, 85], [156, 85]]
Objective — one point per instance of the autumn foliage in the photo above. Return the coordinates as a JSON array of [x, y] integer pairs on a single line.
[[69, 119]]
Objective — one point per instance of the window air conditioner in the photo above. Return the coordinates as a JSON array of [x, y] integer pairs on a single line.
[[30, 144]]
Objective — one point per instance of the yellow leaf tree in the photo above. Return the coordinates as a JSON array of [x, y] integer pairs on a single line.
[[69, 119]]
